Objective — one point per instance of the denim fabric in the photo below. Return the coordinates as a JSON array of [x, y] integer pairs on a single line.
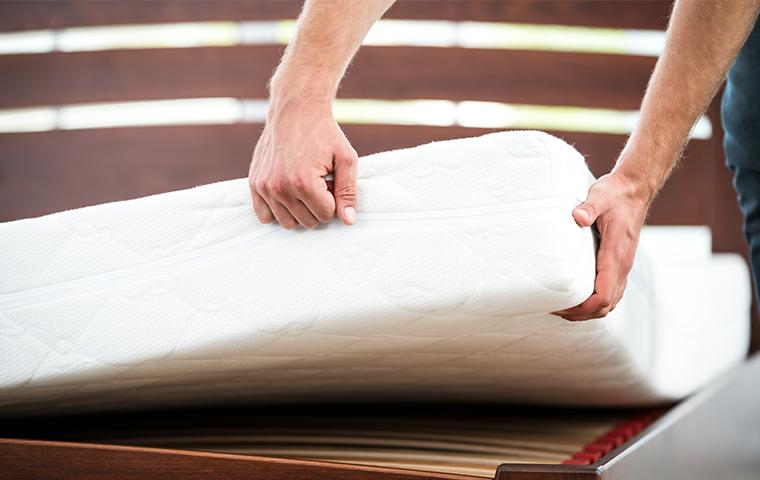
[[740, 110]]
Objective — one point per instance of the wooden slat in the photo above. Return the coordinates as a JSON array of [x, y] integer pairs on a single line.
[[556, 78], [19, 14], [644, 14], [594, 80], [26, 15], [60, 78], [26, 459], [51, 171]]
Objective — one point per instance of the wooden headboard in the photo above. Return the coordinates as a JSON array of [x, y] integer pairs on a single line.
[[47, 171]]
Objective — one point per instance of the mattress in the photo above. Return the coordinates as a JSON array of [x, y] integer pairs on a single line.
[[441, 292]]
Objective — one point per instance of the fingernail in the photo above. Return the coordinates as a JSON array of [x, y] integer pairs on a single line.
[[585, 216], [350, 213]]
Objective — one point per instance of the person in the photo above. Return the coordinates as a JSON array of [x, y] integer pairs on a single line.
[[301, 142]]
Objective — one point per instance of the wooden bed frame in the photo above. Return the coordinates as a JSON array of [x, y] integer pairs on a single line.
[[712, 435], [44, 172]]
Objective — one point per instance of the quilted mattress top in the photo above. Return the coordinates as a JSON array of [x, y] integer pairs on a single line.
[[441, 291]]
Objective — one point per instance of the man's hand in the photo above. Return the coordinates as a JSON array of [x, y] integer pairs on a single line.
[[619, 209], [301, 143], [703, 39]]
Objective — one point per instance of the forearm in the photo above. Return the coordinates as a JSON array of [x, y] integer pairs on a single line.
[[703, 38], [301, 143], [328, 34]]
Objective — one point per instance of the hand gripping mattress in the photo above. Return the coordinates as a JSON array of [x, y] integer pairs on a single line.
[[441, 291]]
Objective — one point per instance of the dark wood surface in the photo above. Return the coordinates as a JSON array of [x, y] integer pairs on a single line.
[[543, 472], [53, 171], [645, 14], [21, 14], [36, 459], [391, 429], [589, 80]]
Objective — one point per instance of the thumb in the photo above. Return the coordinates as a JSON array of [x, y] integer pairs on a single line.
[[586, 213], [344, 191]]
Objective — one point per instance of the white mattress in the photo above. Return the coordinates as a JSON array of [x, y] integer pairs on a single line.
[[441, 291]]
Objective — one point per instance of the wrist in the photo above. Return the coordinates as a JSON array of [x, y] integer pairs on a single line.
[[646, 161], [286, 97], [302, 82], [300, 105], [638, 185]]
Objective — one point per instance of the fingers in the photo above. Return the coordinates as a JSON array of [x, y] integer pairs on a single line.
[[603, 300], [261, 208], [266, 206], [288, 211], [318, 199], [292, 202], [283, 216], [595, 205], [619, 215], [608, 288], [344, 189], [600, 303], [298, 210], [296, 150], [614, 261]]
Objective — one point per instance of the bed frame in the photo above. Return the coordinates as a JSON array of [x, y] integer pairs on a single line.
[[713, 434], [44, 172]]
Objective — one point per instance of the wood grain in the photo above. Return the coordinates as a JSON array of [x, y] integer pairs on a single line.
[[590, 80], [546, 472], [456, 439], [28, 459], [19, 14], [646, 14], [52, 171]]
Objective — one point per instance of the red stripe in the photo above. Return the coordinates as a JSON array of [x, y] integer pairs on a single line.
[[612, 439]]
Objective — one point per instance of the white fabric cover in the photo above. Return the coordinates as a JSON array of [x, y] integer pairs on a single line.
[[441, 291]]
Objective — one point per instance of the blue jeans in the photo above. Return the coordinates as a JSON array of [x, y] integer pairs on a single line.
[[740, 111]]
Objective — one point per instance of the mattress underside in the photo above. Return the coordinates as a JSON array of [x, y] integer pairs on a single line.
[[442, 291]]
